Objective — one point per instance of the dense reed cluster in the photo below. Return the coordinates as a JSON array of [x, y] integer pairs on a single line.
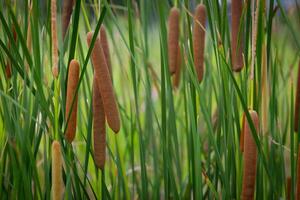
[[204, 95]]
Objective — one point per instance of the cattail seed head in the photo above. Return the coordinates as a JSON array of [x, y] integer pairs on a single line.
[[71, 112], [254, 37], [250, 157], [66, 15], [54, 40], [297, 102], [57, 181], [178, 70], [173, 38], [99, 130], [105, 47], [199, 40], [104, 84], [236, 41]]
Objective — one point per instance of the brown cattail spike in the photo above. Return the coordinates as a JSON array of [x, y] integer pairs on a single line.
[[199, 40], [297, 102], [173, 38], [236, 41], [57, 181], [71, 112], [105, 84], [178, 70], [105, 47], [66, 15], [250, 157], [99, 130], [54, 39]]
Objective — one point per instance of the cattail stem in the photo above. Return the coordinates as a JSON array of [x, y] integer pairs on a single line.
[[236, 41], [173, 38], [54, 39], [265, 91], [99, 130], [250, 157], [105, 84], [297, 102], [199, 40], [71, 110], [66, 15], [57, 181], [105, 47]]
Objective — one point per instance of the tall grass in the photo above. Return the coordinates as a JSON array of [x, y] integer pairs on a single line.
[[172, 144]]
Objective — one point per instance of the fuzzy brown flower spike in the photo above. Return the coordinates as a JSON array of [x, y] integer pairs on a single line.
[[105, 84], [99, 131], [250, 157], [173, 38], [54, 40], [199, 40], [236, 41], [72, 111], [66, 15], [57, 181], [105, 47]]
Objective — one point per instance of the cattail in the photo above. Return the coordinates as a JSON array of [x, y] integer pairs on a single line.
[[250, 157], [57, 181], [66, 15], [242, 134], [72, 85], [54, 39], [297, 102], [104, 84], [199, 40], [288, 187], [236, 41], [254, 37], [173, 38], [99, 130], [178, 70], [105, 47]]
